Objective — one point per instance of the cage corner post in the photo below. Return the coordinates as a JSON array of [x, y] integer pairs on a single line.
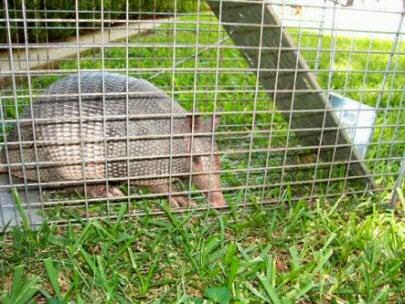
[[299, 95], [11, 213]]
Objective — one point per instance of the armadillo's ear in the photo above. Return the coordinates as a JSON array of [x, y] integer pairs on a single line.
[[195, 120], [215, 120]]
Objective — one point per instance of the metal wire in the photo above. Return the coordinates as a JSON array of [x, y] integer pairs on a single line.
[[202, 59]]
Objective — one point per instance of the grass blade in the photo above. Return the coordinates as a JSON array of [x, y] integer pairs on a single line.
[[271, 292], [22, 289], [254, 291], [53, 274], [22, 212]]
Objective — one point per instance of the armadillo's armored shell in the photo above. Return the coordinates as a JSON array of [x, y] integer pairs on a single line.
[[89, 132]]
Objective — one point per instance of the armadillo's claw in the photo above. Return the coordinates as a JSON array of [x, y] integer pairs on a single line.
[[174, 200], [114, 192], [100, 191], [182, 201]]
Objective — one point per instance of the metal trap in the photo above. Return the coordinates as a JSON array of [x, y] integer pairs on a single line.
[[280, 81]]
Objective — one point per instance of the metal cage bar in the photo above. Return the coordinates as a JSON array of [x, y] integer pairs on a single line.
[[269, 71]]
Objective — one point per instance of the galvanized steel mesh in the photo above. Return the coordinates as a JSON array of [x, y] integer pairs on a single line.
[[199, 54]]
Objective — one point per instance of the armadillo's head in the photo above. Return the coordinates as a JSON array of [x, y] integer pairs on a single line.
[[206, 165]]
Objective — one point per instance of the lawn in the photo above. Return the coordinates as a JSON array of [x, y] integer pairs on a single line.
[[350, 251], [347, 249]]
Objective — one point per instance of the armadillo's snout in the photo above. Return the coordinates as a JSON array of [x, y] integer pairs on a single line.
[[216, 198], [211, 186], [207, 169], [214, 193]]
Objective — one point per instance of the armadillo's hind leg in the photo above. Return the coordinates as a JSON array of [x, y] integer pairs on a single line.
[[101, 191], [174, 200]]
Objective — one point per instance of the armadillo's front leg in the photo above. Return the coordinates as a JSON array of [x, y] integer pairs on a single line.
[[175, 200], [100, 191]]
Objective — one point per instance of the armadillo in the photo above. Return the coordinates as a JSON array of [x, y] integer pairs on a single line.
[[115, 127]]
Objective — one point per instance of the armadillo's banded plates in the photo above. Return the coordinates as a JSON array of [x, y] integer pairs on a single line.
[[79, 125]]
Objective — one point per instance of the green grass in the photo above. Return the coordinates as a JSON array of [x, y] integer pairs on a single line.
[[347, 250]]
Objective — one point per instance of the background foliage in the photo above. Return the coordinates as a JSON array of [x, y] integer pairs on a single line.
[[63, 13]]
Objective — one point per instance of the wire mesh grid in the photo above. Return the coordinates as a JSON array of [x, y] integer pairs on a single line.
[[268, 69]]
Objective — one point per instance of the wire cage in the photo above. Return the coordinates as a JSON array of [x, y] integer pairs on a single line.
[[309, 94]]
